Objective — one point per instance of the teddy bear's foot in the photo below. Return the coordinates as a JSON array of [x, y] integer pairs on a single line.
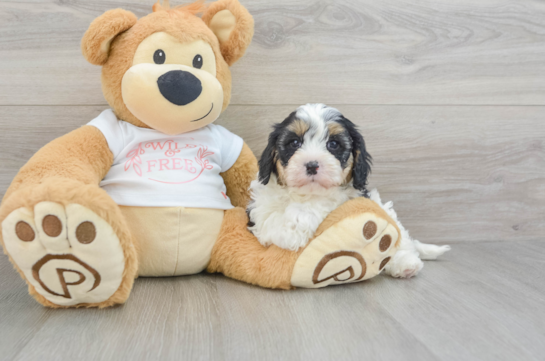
[[70, 255], [354, 249]]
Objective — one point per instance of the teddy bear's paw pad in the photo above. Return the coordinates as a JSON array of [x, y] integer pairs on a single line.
[[355, 249], [69, 254]]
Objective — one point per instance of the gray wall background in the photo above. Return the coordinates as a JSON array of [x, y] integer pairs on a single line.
[[449, 95]]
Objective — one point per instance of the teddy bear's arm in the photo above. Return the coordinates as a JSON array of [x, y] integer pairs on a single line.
[[238, 178], [82, 155]]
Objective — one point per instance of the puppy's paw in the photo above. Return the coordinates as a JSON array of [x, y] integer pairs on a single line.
[[404, 264]]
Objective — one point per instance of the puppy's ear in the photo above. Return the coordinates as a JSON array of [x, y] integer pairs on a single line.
[[267, 162], [95, 44], [233, 25], [362, 160]]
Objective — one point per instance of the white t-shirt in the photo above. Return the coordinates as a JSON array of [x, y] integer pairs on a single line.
[[152, 169]]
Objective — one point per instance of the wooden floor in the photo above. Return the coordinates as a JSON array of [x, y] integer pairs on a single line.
[[450, 97], [482, 301]]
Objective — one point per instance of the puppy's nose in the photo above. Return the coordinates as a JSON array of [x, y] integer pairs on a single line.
[[179, 87], [312, 168]]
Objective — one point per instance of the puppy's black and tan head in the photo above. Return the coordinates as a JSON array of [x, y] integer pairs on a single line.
[[316, 145]]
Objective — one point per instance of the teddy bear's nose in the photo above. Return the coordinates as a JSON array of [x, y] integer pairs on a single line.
[[179, 87]]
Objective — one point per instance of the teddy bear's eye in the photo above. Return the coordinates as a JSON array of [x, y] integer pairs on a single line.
[[159, 57], [197, 61]]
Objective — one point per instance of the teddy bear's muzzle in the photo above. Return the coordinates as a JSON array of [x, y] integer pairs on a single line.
[[172, 98]]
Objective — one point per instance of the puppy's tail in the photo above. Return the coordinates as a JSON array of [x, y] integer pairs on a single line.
[[429, 251], [425, 251]]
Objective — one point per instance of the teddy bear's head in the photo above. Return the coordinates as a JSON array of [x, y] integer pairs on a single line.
[[170, 69]]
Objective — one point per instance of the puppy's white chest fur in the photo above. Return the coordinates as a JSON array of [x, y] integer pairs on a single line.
[[289, 217]]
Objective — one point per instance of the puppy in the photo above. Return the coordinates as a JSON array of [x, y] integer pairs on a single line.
[[315, 161]]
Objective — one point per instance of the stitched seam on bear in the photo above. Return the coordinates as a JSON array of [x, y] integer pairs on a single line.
[[178, 241]]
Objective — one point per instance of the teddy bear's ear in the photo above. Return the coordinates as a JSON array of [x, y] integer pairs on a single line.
[[95, 44], [233, 25]]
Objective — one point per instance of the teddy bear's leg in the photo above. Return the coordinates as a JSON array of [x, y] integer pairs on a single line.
[[70, 243], [238, 254], [353, 244]]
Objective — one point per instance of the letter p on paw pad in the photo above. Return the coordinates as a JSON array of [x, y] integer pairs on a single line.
[[67, 253], [353, 250]]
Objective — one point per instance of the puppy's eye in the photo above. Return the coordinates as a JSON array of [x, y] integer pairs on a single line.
[[333, 145], [295, 144], [197, 61], [159, 57]]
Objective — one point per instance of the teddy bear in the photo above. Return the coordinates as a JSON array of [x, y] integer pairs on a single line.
[[151, 187]]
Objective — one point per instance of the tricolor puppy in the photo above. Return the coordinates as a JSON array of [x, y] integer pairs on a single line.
[[315, 161]]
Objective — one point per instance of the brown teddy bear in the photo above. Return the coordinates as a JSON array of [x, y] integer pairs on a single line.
[[150, 187]]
